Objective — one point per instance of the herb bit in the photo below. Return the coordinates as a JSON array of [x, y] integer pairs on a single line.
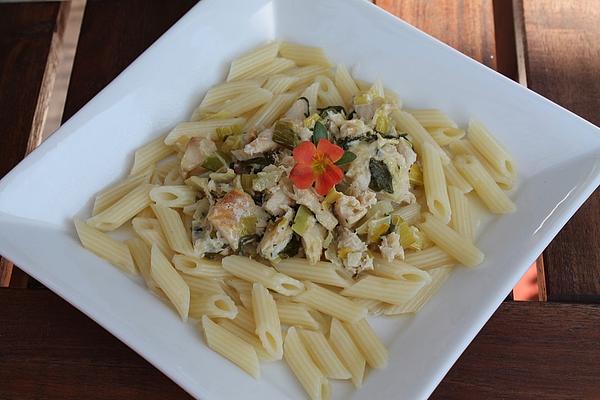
[[381, 178]]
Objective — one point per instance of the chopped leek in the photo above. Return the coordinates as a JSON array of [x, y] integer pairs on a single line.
[[420, 239], [265, 180], [407, 235], [247, 180], [343, 252], [309, 122], [232, 142], [216, 161], [380, 209], [225, 131], [302, 220], [222, 177], [383, 124], [377, 228], [331, 197], [284, 134], [415, 175], [248, 225], [362, 99]]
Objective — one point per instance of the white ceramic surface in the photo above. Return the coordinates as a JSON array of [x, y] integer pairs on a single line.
[[558, 155]]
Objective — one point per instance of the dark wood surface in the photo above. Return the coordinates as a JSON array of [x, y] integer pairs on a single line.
[[26, 32], [563, 64], [466, 25], [113, 34], [528, 350]]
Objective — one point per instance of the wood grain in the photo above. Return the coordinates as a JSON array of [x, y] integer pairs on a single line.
[[111, 39], [528, 350], [563, 64], [26, 39], [466, 25]]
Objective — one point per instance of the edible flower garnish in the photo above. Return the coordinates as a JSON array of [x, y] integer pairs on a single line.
[[316, 164]]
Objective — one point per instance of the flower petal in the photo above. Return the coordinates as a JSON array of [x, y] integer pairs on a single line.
[[302, 175], [333, 151], [328, 179], [304, 152]]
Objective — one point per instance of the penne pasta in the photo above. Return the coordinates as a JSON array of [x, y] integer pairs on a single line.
[[375, 307], [432, 118], [184, 131], [368, 343], [323, 355], [200, 267], [140, 252], [410, 213], [398, 270], [311, 94], [464, 147], [331, 303], [491, 150], [393, 291], [345, 85], [430, 258], [488, 191], [407, 123], [173, 228], [150, 154], [171, 283], [304, 55], [177, 196], [322, 272], [231, 347], [307, 74], [445, 136], [99, 243], [247, 337], [202, 286], [434, 181], [245, 102], [454, 178], [438, 277], [308, 374], [245, 319], [213, 305], [295, 314], [461, 220], [275, 66], [451, 242], [254, 271], [269, 112], [151, 233], [268, 326], [223, 92], [347, 351], [123, 210], [328, 94], [252, 61], [110, 196], [279, 84]]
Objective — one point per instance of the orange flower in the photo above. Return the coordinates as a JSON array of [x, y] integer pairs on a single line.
[[317, 164]]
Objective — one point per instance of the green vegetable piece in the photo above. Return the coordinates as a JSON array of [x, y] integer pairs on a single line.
[[320, 132], [301, 220], [381, 178], [247, 180], [248, 225], [232, 142], [347, 158], [216, 161], [226, 131], [284, 135]]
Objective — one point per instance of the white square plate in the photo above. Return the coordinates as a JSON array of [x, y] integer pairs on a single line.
[[556, 151]]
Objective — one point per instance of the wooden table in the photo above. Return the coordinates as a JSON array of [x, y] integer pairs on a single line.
[[528, 350]]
